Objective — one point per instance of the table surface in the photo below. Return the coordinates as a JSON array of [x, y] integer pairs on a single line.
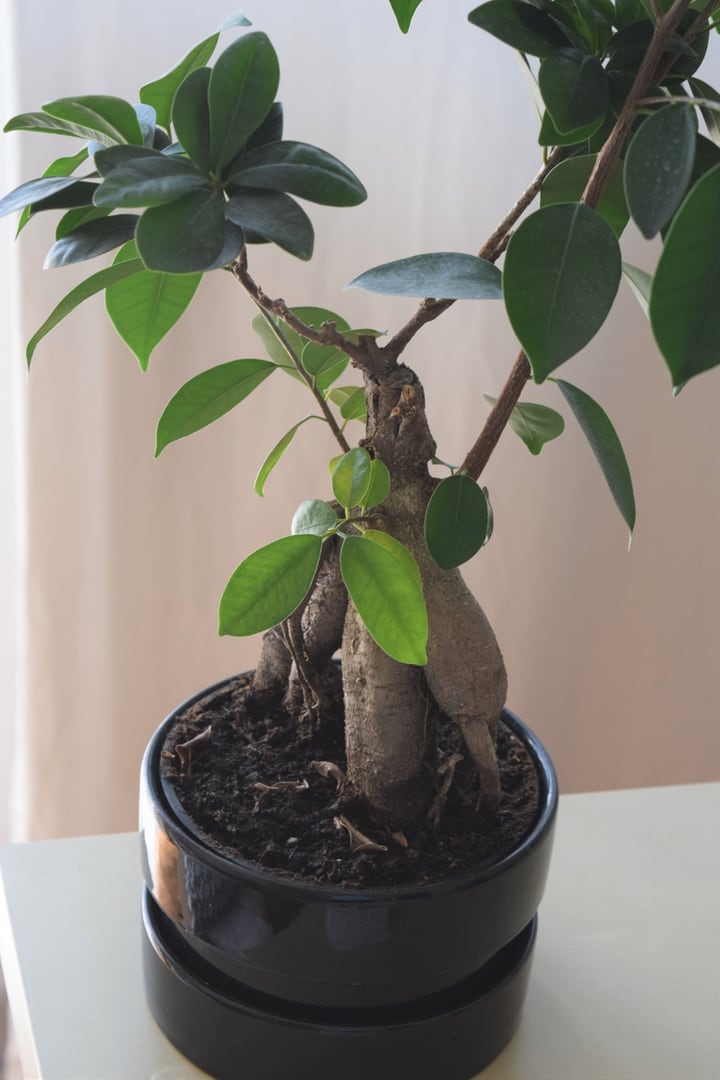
[[625, 982]]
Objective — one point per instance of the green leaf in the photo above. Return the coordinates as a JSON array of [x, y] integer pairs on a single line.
[[575, 89], [523, 26], [243, 85], [208, 396], [404, 11], [62, 166], [277, 452], [387, 594], [658, 166], [606, 447], [144, 307], [351, 400], [184, 235], [568, 180], [562, 271], [33, 191], [81, 292], [79, 216], [351, 477], [550, 136], [640, 282], [91, 239], [710, 116], [448, 274], [269, 585], [684, 297], [456, 521], [534, 424], [233, 244], [311, 316], [378, 486], [314, 516], [191, 117], [150, 181], [275, 217], [50, 125], [111, 157], [160, 92], [111, 119], [301, 170], [325, 364]]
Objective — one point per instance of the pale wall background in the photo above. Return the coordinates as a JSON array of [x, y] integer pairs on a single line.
[[113, 563]]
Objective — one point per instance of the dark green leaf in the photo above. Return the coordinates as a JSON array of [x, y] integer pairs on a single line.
[[567, 182], [144, 307], [274, 216], [232, 246], [183, 236], [110, 118], [710, 116], [314, 516], [151, 181], [448, 274], [50, 125], [34, 191], [658, 165], [684, 297], [523, 26], [641, 284], [575, 89], [550, 136], [404, 11], [385, 588], [62, 166], [191, 117], [456, 521], [606, 447], [277, 452], [351, 477], [79, 216], [562, 271], [243, 85], [271, 130], [707, 156], [160, 92], [91, 239], [81, 292], [111, 157], [208, 396], [269, 585], [534, 424], [301, 170]]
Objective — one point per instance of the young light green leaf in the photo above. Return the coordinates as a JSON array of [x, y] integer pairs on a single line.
[[606, 447], [150, 180], [34, 191], [534, 424], [243, 85], [62, 166], [658, 166], [311, 316], [641, 284], [562, 271], [684, 296], [387, 594], [144, 307], [185, 235], [269, 585], [567, 181], [314, 516], [456, 521], [351, 477], [277, 452], [378, 485], [81, 292], [404, 11], [191, 117], [574, 87], [448, 274], [324, 363], [302, 170], [352, 402], [91, 239], [208, 396], [160, 92], [274, 216], [111, 119], [523, 26]]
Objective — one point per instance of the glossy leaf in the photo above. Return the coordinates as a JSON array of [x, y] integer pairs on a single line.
[[110, 118], [269, 585], [684, 297], [274, 216], [301, 170], [183, 236], [404, 11], [324, 363], [81, 292], [160, 92], [710, 116], [208, 396], [574, 87], [191, 117], [243, 85], [144, 307], [567, 181], [271, 130], [641, 284], [232, 246], [62, 166], [523, 26], [534, 424], [314, 516], [91, 239], [351, 477], [111, 157], [387, 594], [150, 181], [51, 125], [78, 216], [550, 136], [456, 521], [378, 486], [448, 274], [351, 400], [562, 271], [277, 452], [606, 447], [34, 191], [658, 166]]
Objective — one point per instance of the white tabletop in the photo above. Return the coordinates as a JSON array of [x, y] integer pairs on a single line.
[[625, 982]]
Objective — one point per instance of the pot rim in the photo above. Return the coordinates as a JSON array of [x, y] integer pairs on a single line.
[[179, 822]]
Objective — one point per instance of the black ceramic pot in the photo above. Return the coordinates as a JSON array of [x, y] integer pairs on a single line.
[[257, 976]]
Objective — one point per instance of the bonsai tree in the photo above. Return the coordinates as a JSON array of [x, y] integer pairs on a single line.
[[187, 181]]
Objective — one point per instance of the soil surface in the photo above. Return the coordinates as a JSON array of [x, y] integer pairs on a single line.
[[252, 790]]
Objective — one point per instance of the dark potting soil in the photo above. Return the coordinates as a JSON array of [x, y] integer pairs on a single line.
[[251, 789]]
